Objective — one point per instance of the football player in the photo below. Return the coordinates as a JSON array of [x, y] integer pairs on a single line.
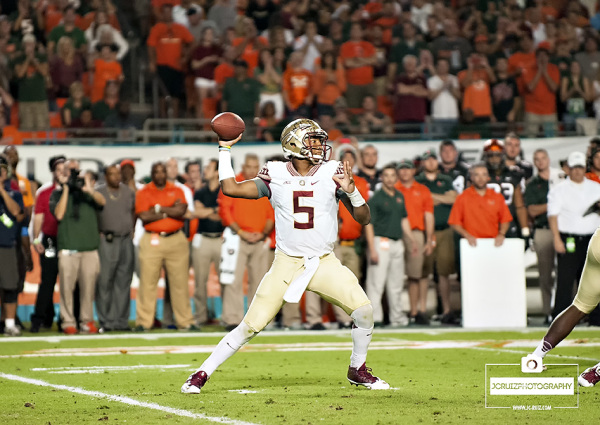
[[452, 166], [304, 192], [507, 180], [513, 155]]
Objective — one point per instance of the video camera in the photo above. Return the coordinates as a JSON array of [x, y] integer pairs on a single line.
[[75, 182]]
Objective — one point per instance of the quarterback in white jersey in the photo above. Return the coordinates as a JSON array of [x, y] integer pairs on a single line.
[[305, 193]]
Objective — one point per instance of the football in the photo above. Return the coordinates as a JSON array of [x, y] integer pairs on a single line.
[[227, 125]]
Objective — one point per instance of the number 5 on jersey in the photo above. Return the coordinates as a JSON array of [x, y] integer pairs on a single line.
[[309, 211]]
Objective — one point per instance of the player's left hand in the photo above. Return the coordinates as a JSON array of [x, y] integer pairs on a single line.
[[346, 182]]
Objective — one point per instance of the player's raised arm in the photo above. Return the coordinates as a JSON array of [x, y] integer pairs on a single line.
[[229, 186], [354, 202]]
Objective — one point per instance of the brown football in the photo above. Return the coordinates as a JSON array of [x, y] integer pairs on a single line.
[[228, 125]]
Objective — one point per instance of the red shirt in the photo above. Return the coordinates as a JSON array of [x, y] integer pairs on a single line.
[[480, 215], [42, 206]]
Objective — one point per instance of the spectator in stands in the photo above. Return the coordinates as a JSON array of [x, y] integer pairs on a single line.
[[575, 92], [104, 107], [87, 120], [195, 24], [571, 229], [476, 81], [480, 212], [410, 95], [367, 168], [193, 172], [330, 83], [267, 125], [380, 68], [223, 13], [11, 205], [270, 78], [535, 23], [249, 46], [241, 93], [594, 166], [536, 201], [419, 206], [101, 32], [373, 121], [168, 45], [204, 59], [66, 67], [442, 252], [444, 94], [181, 12], [252, 220], [451, 46], [386, 248], [260, 11], [116, 223], [589, 59], [506, 102], [225, 69], [161, 207], [76, 103], [298, 92], [524, 59], [75, 206], [31, 71], [539, 85], [105, 68], [68, 28], [359, 57], [45, 228], [24, 20], [310, 44]]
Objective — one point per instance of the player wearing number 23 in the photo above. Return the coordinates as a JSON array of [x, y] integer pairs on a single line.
[[305, 193]]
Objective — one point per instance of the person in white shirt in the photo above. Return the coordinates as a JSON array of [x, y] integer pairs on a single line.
[[305, 193], [571, 227], [310, 44], [444, 94]]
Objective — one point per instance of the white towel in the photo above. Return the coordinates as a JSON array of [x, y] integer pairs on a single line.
[[229, 255], [297, 287]]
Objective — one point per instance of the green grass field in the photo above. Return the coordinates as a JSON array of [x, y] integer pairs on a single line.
[[437, 375]]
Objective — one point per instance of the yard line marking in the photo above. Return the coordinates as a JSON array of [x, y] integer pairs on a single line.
[[102, 369], [152, 336], [558, 356], [125, 400]]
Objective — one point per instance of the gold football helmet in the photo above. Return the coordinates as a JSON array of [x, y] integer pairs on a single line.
[[295, 141]]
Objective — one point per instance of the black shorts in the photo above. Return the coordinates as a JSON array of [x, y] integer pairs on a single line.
[[9, 270], [172, 79]]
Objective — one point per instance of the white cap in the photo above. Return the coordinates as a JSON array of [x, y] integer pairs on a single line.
[[576, 159]]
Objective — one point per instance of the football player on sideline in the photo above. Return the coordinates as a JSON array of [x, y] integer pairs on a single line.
[[304, 192]]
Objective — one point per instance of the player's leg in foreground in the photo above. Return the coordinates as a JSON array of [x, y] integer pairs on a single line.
[[265, 305], [587, 298], [338, 285]]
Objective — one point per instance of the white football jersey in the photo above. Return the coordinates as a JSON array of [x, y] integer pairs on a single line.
[[306, 207]]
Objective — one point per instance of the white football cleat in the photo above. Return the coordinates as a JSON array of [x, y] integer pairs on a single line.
[[589, 377], [362, 376], [194, 383]]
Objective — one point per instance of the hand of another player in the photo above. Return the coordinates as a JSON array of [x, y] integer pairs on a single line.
[[346, 182], [229, 142], [559, 246]]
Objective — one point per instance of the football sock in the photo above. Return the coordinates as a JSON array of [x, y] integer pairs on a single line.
[[543, 348], [362, 332], [9, 323], [228, 346]]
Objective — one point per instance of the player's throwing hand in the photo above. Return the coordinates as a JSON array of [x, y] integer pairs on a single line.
[[346, 182], [229, 143]]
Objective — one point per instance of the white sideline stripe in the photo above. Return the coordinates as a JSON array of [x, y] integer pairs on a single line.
[[125, 400], [558, 356], [101, 369], [152, 336]]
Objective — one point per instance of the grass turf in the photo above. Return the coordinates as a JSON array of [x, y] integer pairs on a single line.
[[442, 385]]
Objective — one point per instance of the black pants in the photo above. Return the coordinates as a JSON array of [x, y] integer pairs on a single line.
[[569, 269], [44, 304]]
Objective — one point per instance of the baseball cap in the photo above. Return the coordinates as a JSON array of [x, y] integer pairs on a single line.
[[194, 8], [55, 160], [493, 145], [429, 153], [127, 162], [405, 163], [576, 159]]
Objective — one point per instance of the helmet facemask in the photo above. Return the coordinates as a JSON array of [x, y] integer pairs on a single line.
[[316, 153]]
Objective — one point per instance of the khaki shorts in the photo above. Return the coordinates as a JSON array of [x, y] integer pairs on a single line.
[[442, 255], [332, 281], [414, 264], [588, 294]]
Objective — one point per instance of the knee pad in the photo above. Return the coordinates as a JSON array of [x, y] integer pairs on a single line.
[[363, 317]]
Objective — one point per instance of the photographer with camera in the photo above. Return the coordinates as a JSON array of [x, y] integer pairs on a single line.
[[75, 206]]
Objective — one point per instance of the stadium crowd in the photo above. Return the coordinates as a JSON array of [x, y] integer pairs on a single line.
[[94, 232], [357, 67]]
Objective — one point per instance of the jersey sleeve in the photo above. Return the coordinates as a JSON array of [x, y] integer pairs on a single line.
[[263, 187]]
